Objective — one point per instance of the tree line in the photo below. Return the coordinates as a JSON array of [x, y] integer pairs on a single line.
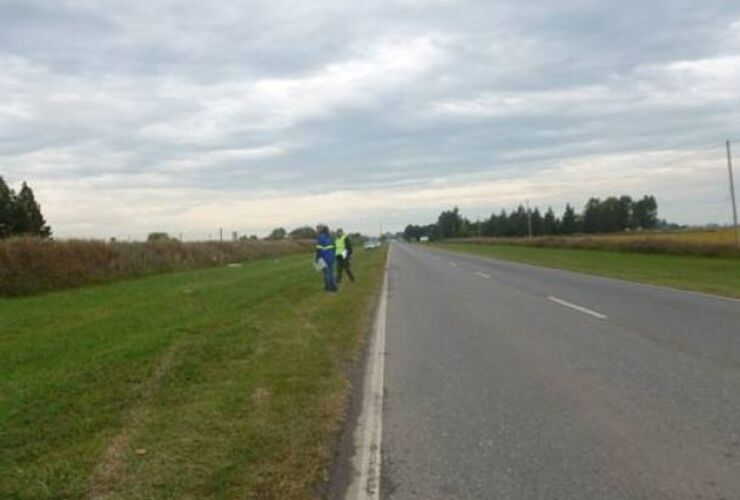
[[307, 233], [279, 233], [612, 214], [20, 213]]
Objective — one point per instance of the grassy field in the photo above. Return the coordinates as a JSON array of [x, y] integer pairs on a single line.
[[707, 274], [722, 236], [212, 383], [703, 243]]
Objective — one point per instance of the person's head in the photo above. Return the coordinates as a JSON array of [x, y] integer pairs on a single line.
[[322, 228], [340, 232]]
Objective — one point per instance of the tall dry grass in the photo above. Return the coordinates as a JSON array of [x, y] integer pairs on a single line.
[[33, 265], [655, 243]]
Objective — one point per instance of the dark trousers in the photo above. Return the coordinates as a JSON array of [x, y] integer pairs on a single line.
[[342, 266], [329, 284]]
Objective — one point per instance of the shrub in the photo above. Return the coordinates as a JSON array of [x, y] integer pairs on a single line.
[[31, 265]]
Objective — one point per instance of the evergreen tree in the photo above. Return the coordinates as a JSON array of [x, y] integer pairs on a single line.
[[549, 222], [6, 210], [569, 224], [504, 228], [27, 217], [537, 222]]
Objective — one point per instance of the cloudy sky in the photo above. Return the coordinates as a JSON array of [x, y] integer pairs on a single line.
[[184, 116]]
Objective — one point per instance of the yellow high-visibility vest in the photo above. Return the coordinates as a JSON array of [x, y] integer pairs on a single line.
[[340, 245]]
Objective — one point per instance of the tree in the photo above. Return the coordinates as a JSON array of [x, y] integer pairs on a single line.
[[537, 222], [358, 239], [624, 213], [278, 233], [645, 212], [592, 220], [27, 217], [158, 236], [6, 210], [450, 224], [549, 222], [413, 233], [609, 215], [303, 233], [569, 224], [518, 222]]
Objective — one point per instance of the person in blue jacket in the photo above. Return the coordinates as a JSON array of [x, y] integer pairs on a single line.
[[325, 252]]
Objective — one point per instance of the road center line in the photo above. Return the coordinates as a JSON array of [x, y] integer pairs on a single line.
[[577, 308], [453, 264], [483, 275]]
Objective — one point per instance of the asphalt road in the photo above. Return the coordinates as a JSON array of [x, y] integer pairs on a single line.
[[511, 381]]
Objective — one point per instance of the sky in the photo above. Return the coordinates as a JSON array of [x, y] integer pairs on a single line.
[[186, 116]]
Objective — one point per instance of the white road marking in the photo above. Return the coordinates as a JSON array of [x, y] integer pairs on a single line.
[[577, 308], [483, 275], [454, 264], [369, 432]]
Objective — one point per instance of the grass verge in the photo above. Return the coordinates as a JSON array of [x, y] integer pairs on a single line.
[[715, 275], [214, 383]]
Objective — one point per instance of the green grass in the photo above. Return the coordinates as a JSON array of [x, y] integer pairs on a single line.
[[715, 275], [216, 383]]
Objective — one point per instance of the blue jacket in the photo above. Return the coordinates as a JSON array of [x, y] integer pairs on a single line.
[[325, 248]]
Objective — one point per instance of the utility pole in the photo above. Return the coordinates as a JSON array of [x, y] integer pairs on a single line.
[[478, 225], [529, 220], [732, 195], [221, 234]]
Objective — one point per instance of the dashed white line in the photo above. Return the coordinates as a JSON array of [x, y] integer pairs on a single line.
[[453, 264], [577, 308], [483, 275]]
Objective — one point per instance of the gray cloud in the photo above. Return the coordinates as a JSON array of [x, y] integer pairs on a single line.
[[138, 115]]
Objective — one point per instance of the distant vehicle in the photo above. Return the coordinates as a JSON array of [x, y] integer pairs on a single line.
[[370, 244], [424, 239]]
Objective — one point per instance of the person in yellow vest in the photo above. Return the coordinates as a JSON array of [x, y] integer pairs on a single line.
[[343, 249]]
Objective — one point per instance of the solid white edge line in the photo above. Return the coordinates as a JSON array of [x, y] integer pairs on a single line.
[[369, 431], [483, 275], [577, 308]]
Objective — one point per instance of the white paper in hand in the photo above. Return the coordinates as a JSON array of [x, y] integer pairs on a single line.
[[319, 264]]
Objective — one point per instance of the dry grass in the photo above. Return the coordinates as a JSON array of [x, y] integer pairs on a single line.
[[708, 243], [32, 265]]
